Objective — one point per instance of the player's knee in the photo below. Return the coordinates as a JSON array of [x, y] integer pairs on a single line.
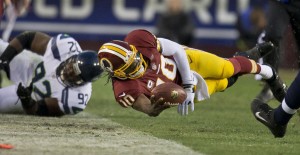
[[228, 70], [222, 85], [231, 80]]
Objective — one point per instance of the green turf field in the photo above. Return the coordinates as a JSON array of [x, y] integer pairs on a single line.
[[221, 125]]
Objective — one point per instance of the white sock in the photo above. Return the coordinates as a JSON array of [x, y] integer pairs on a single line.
[[287, 109], [266, 72]]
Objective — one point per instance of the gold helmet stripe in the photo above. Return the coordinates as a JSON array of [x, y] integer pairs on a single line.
[[113, 52], [115, 48]]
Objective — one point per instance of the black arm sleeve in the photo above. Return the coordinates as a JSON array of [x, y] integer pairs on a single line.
[[10, 52], [26, 39]]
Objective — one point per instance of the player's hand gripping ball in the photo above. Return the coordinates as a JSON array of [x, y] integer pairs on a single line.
[[171, 93]]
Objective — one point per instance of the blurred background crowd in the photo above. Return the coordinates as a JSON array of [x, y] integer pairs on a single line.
[[222, 27]]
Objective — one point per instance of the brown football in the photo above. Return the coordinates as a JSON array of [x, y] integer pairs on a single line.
[[172, 93]]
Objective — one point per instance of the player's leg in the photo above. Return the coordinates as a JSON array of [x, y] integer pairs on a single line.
[[10, 102], [209, 65], [290, 104], [215, 85], [246, 66], [242, 65], [219, 85], [277, 119], [212, 66]]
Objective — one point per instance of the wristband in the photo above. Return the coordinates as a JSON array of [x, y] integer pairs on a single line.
[[189, 87]]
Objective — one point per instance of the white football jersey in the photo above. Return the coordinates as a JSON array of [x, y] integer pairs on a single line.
[[45, 84]]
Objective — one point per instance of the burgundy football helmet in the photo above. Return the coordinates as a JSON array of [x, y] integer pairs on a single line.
[[122, 60]]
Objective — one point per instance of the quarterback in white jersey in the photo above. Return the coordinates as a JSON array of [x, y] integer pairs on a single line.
[[55, 83]]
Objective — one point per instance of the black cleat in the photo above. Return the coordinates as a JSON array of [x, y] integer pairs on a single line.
[[259, 51], [277, 87], [265, 94], [265, 114]]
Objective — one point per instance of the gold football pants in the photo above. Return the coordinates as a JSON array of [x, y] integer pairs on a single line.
[[214, 69]]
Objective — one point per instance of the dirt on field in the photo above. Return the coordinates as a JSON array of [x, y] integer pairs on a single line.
[[78, 135]]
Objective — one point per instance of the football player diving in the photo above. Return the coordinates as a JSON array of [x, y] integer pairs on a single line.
[[53, 77], [142, 61]]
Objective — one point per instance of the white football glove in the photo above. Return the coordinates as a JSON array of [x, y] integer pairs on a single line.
[[183, 109]]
